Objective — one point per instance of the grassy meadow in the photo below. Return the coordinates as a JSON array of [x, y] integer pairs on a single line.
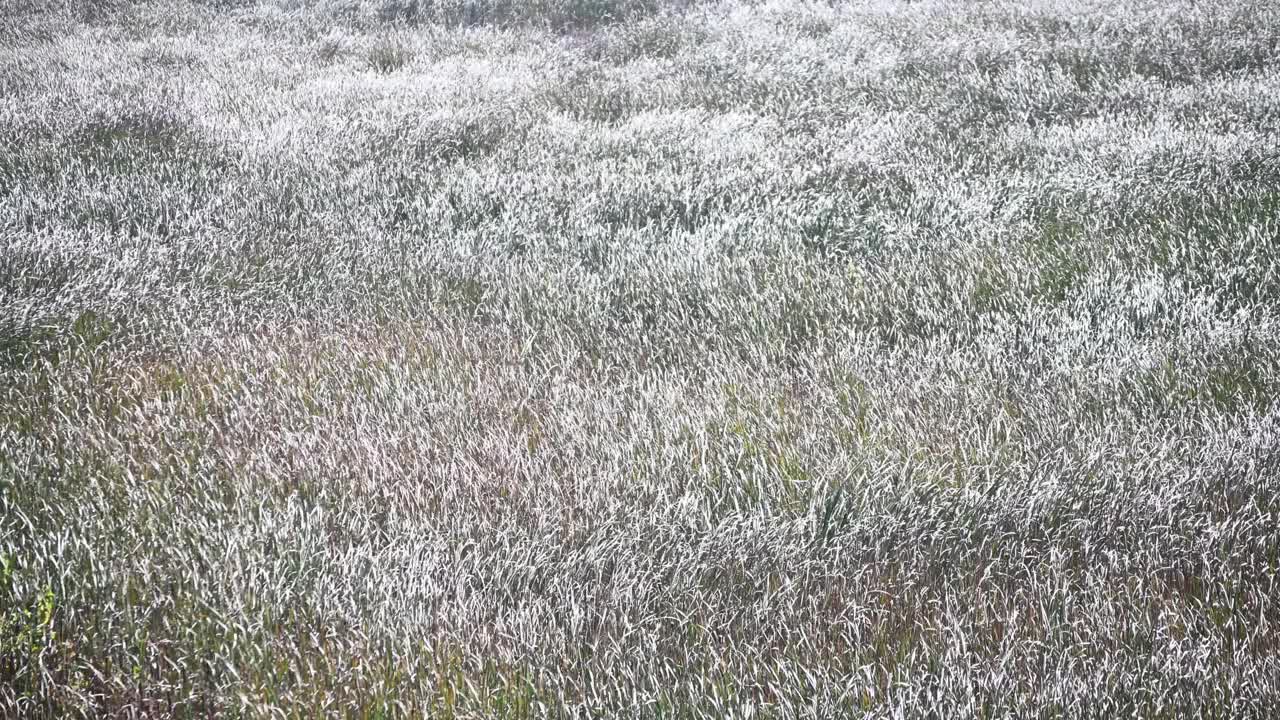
[[639, 358]]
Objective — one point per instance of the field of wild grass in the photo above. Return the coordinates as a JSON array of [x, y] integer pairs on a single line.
[[639, 358]]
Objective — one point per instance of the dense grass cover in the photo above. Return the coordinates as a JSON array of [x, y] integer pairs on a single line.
[[551, 358]]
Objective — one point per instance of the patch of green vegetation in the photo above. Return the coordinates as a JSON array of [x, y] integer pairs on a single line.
[[389, 56], [24, 347], [1235, 381], [1061, 253], [124, 135], [82, 337], [1240, 381]]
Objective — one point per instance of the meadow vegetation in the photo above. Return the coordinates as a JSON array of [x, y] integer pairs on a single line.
[[639, 358]]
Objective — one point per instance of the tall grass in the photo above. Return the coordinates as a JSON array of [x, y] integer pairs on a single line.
[[587, 359]]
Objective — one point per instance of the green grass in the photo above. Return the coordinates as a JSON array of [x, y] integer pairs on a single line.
[[389, 358]]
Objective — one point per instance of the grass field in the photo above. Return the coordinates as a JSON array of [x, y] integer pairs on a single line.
[[639, 358]]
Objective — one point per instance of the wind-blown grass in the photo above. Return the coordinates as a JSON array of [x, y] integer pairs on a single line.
[[624, 358]]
